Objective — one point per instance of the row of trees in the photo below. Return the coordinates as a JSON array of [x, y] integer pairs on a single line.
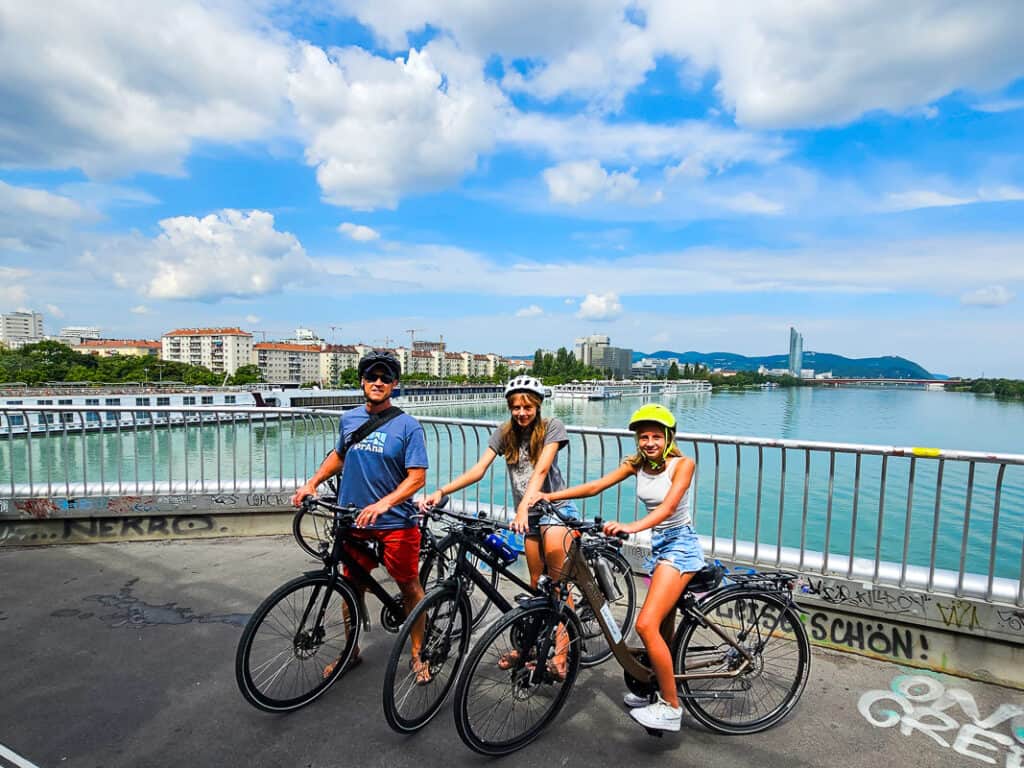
[[350, 377], [1005, 388], [562, 366], [35, 364]]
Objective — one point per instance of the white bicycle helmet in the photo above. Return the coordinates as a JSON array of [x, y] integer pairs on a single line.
[[525, 384]]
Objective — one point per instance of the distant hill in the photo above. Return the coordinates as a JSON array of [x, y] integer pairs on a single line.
[[888, 367]]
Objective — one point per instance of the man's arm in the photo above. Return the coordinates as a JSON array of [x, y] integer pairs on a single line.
[[415, 478], [331, 466]]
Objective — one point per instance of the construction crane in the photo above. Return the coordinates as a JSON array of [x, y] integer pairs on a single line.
[[263, 333], [334, 332], [412, 335]]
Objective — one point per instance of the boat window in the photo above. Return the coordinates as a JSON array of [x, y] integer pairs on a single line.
[[64, 402], [112, 416], [16, 419], [92, 401], [188, 400], [142, 401], [112, 401], [14, 402], [44, 402], [163, 401], [207, 400], [46, 418], [142, 415], [69, 417], [92, 416], [229, 398]]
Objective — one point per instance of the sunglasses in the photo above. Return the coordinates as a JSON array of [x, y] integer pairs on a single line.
[[386, 378]]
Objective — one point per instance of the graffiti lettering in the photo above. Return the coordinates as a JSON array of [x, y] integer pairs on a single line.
[[877, 638], [37, 508], [960, 614], [923, 704], [229, 501], [888, 601], [105, 528], [267, 500], [1011, 619]]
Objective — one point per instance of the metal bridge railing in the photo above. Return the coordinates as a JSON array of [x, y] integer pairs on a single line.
[[947, 522]]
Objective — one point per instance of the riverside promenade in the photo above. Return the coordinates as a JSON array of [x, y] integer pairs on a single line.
[[123, 655]]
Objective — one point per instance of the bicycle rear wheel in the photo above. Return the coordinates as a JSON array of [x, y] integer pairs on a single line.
[[296, 633], [440, 564], [409, 702], [507, 694], [623, 607], [771, 631]]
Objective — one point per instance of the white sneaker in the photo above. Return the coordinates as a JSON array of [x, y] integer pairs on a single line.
[[659, 716], [633, 701]]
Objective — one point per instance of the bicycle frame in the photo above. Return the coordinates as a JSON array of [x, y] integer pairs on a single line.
[[463, 568], [577, 572]]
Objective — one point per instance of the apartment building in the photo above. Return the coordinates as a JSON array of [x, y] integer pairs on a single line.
[[334, 359], [19, 328], [221, 350], [287, 363]]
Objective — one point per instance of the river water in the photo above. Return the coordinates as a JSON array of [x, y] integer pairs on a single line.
[[883, 520]]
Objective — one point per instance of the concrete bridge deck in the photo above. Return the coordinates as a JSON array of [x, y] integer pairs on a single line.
[[123, 654]]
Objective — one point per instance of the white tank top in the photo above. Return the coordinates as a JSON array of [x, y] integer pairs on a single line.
[[652, 490]]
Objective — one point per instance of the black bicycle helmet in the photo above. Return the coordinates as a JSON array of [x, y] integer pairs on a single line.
[[386, 359]]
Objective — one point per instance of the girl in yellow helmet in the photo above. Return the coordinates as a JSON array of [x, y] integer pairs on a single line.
[[663, 477]]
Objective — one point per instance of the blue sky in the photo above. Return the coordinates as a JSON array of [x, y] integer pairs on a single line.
[[696, 175]]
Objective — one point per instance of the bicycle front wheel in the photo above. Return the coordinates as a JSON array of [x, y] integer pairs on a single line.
[[416, 685], [286, 652], [511, 689], [768, 689], [622, 603], [312, 532]]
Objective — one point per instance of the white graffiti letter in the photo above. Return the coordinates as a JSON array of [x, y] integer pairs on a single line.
[[911, 685], [890, 718], [918, 720], [971, 735]]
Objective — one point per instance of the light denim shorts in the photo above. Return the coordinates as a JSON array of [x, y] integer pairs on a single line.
[[569, 510], [679, 547]]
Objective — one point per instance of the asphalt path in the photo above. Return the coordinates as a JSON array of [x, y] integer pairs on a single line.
[[123, 655]]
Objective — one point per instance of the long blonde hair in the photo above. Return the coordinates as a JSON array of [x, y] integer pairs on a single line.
[[512, 434]]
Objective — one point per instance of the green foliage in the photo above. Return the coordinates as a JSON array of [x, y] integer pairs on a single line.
[[562, 367], [349, 378], [247, 374], [673, 372]]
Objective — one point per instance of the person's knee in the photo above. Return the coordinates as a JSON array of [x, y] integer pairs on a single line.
[[647, 626], [412, 587]]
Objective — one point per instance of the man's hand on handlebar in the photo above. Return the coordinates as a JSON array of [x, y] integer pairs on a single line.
[[371, 512], [302, 493], [431, 500]]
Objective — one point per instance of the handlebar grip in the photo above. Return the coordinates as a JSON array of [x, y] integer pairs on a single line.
[[442, 502]]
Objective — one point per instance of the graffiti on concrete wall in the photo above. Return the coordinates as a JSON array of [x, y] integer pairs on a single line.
[[962, 615], [112, 529], [950, 717], [878, 638]]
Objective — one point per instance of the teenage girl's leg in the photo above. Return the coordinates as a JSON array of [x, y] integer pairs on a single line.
[[667, 584], [556, 543]]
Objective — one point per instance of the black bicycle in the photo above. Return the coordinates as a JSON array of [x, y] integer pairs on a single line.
[[476, 555], [301, 638], [741, 655]]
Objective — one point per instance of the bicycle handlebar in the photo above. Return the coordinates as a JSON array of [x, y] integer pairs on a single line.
[[544, 507]]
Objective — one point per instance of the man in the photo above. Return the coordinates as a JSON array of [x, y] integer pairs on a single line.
[[382, 472]]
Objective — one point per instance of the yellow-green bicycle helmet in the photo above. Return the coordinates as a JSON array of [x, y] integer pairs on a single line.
[[652, 413]]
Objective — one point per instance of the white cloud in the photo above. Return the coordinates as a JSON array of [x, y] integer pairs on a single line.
[[605, 306], [992, 296], [119, 86], [531, 311], [139, 309], [926, 198], [252, 319], [358, 232], [30, 218], [578, 182], [378, 129], [12, 288], [54, 310], [229, 253], [1000, 105], [751, 202]]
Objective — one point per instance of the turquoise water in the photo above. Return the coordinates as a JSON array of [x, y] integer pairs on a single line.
[[771, 512]]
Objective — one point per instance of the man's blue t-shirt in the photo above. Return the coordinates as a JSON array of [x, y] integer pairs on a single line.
[[377, 465]]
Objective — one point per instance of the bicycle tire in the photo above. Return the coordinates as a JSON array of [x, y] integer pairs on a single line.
[[595, 645], [781, 661], [484, 687], [275, 633], [409, 705], [312, 533], [439, 565]]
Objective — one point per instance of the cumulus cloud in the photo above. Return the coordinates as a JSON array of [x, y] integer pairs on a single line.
[[229, 253], [578, 182], [605, 306], [132, 86], [54, 310], [358, 232], [378, 128], [531, 311], [252, 319], [12, 286], [990, 297]]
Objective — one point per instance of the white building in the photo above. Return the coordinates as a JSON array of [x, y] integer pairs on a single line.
[[75, 334], [334, 359], [283, 362], [585, 347], [222, 350], [19, 328], [118, 347]]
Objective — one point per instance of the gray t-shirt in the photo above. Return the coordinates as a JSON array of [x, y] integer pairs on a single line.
[[520, 472]]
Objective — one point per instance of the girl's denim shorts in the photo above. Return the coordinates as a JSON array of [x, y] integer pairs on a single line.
[[548, 519], [679, 547]]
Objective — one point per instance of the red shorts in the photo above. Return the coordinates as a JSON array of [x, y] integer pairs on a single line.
[[400, 552]]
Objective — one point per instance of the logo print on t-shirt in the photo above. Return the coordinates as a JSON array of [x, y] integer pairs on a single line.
[[374, 443]]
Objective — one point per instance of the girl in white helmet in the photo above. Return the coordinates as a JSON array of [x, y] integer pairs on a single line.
[[530, 445], [663, 476]]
